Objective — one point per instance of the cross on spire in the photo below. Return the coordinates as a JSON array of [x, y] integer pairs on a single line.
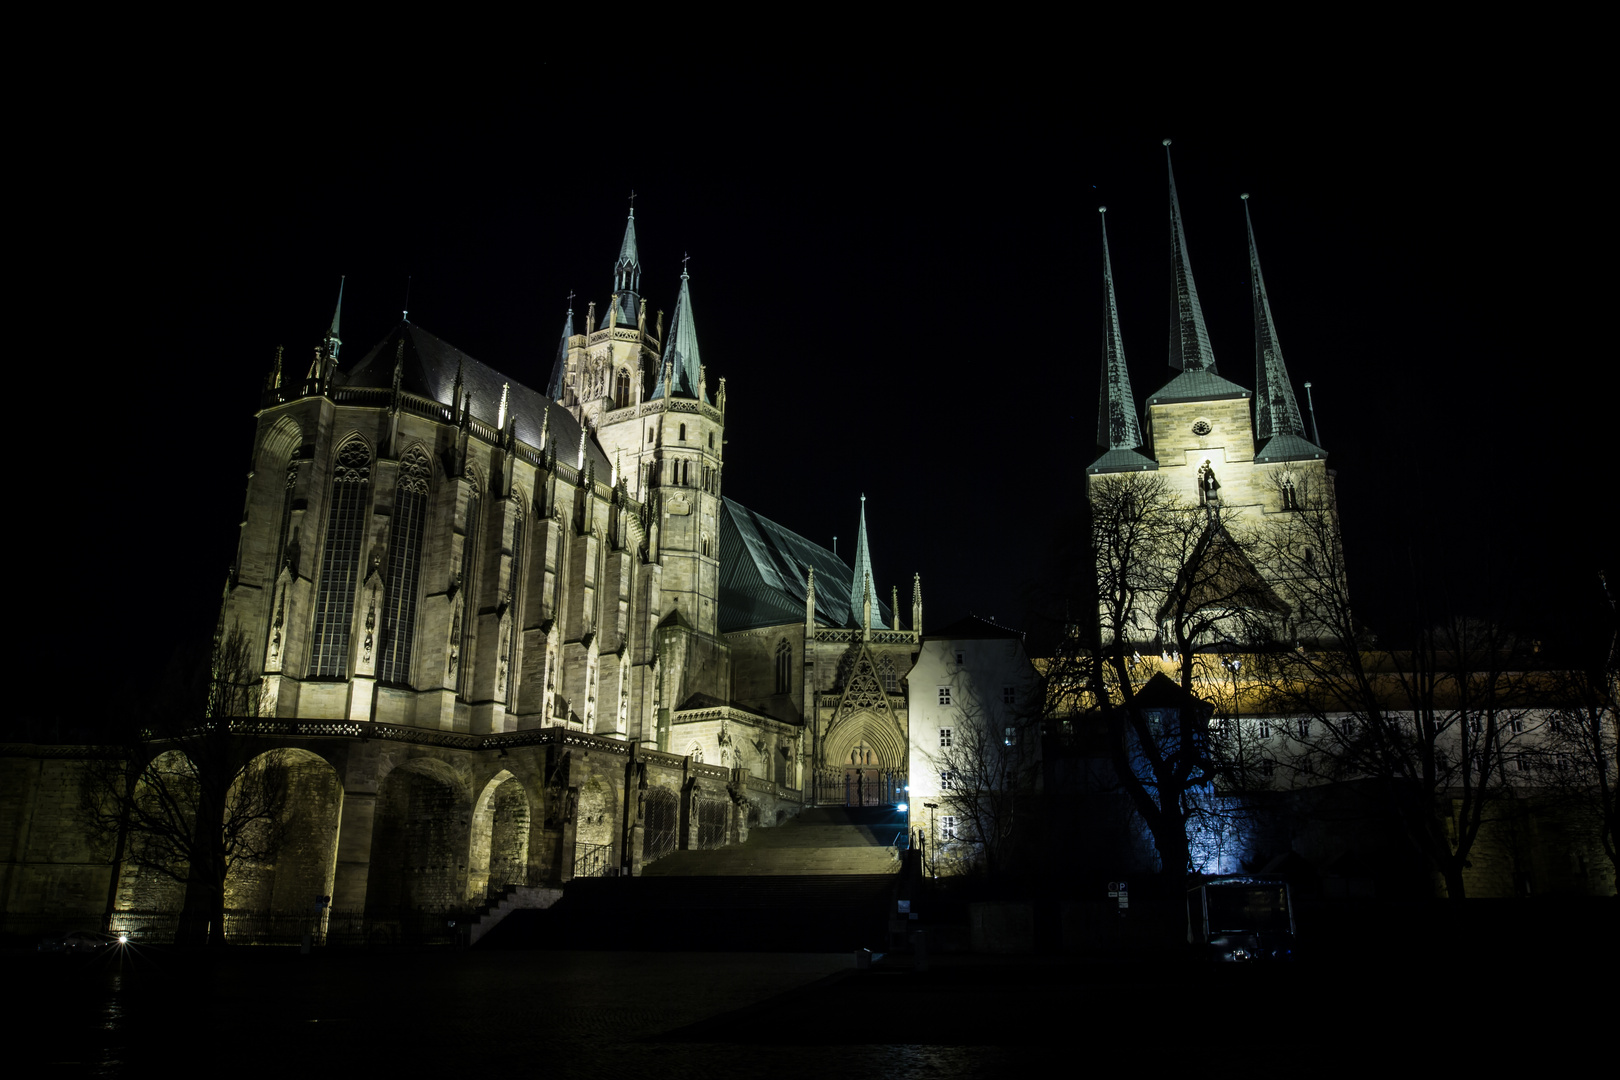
[[632, 200]]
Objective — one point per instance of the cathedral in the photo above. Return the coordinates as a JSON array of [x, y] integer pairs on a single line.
[[431, 544]]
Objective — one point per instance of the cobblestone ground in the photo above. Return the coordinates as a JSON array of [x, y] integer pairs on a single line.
[[445, 1012]]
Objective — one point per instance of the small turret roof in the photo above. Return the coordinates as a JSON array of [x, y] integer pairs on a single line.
[[681, 351]]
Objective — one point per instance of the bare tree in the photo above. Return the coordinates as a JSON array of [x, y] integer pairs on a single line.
[[1431, 732], [988, 776], [1577, 756], [1176, 581], [185, 793]]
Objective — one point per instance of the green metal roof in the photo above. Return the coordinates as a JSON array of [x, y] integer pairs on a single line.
[[1196, 386], [1122, 461], [764, 569]]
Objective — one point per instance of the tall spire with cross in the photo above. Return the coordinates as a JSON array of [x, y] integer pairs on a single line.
[[681, 372], [626, 275], [862, 611], [1117, 427], [1189, 339], [1276, 410], [559, 367]]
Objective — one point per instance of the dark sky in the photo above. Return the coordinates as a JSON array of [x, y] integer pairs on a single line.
[[899, 277]]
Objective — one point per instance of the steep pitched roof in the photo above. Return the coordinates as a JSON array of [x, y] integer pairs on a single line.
[[430, 371], [764, 568], [1196, 386]]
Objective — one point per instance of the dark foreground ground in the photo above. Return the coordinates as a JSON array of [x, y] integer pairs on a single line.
[[449, 1012]]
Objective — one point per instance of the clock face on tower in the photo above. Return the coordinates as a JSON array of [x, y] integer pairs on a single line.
[[1200, 427]]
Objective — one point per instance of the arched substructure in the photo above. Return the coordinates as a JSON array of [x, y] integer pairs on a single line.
[[151, 883], [423, 814], [864, 760], [289, 896], [499, 850]]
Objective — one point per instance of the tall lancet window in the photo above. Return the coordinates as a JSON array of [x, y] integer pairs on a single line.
[[784, 668], [404, 566], [515, 596], [340, 561], [280, 554], [470, 562]]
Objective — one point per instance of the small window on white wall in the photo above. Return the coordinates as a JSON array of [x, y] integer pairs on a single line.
[[944, 738], [944, 695], [947, 827]]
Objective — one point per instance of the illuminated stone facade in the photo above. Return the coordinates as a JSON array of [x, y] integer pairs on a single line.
[[509, 637]]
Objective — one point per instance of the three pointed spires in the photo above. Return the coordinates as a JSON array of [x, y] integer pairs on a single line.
[[1189, 338], [1276, 412], [1117, 427]]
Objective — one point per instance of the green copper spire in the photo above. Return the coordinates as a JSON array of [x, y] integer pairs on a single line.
[[1277, 421], [862, 580], [333, 341], [1189, 339], [681, 359], [626, 278], [1117, 427]]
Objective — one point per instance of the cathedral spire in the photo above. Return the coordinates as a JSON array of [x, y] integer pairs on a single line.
[[1117, 427], [333, 342], [1189, 339], [1276, 412], [559, 367], [681, 374], [626, 278], [860, 586]]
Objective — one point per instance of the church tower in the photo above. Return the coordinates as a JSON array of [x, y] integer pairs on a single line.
[[1231, 463]]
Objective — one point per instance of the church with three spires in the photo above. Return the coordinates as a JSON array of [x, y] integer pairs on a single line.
[[430, 543], [1200, 439]]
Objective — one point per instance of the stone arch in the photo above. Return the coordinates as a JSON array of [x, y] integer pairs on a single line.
[[498, 853], [278, 900], [418, 839], [864, 728], [152, 891], [281, 441]]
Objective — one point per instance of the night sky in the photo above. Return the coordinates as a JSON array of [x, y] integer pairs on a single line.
[[900, 279]]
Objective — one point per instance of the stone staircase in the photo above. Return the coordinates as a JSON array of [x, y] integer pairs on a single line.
[[827, 840], [501, 903], [823, 882]]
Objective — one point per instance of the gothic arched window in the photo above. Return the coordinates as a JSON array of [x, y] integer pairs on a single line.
[[891, 681], [340, 561], [404, 566], [621, 389], [515, 595], [784, 668], [470, 563]]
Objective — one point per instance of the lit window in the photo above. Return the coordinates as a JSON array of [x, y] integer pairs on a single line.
[[944, 695], [944, 738], [405, 566], [1009, 736], [340, 561]]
